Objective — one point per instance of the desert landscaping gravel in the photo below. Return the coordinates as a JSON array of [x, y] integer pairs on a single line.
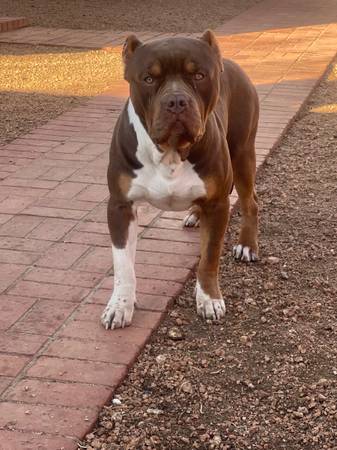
[[266, 377], [135, 15]]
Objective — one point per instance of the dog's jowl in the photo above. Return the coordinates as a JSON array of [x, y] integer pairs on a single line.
[[185, 135]]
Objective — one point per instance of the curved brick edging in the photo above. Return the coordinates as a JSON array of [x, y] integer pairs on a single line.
[[12, 23], [58, 366]]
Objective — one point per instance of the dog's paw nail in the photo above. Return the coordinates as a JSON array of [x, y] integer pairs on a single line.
[[191, 220], [211, 309], [118, 314], [244, 253], [237, 251]]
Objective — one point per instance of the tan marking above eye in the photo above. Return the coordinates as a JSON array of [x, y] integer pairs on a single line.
[[155, 69], [190, 66]]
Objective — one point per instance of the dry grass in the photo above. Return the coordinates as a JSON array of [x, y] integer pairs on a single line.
[[57, 71]]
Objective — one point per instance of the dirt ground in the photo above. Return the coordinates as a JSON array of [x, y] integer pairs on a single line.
[[160, 15], [37, 83], [266, 378]]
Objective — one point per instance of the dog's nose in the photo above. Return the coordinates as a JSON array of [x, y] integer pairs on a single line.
[[175, 103]]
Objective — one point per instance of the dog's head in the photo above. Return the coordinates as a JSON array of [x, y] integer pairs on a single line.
[[174, 85]]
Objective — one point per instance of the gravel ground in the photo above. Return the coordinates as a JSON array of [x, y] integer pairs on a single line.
[[37, 83], [160, 15], [266, 378]]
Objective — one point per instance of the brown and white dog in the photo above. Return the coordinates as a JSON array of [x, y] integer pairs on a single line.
[[185, 135]]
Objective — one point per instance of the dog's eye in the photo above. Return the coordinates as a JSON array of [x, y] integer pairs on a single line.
[[148, 79], [198, 76]]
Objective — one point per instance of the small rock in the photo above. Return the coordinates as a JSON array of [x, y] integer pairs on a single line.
[[187, 387], [161, 359], [116, 402], [108, 425], [216, 439], [269, 285], [244, 339], [284, 275], [273, 260], [263, 319], [303, 410], [298, 359], [96, 444], [250, 301], [155, 411], [204, 437], [312, 404], [175, 334], [202, 389]]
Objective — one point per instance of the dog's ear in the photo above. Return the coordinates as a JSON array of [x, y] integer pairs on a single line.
[[210, 39], [129, 47]]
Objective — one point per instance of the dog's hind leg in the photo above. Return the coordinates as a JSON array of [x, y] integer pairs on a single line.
[[213, 224], [244, 169]]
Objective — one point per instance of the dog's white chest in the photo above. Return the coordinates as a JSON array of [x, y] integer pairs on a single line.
[[168, 186]]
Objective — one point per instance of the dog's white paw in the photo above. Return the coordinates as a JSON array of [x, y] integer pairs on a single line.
[[244, 253], [118, 312], [191, 220], [209, 308], [212, 309]]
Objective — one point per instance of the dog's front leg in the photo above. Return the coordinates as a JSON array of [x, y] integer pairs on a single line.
[[213, 224], [122, 221]]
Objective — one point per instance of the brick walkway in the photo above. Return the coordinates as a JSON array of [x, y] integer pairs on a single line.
[[58, 366]]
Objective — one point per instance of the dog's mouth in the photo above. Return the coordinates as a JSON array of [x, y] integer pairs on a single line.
[[177, 136]]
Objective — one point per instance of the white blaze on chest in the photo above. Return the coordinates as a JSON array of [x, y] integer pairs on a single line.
[[164, 180]]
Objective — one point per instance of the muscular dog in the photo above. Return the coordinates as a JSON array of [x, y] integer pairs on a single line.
[[185, 135]]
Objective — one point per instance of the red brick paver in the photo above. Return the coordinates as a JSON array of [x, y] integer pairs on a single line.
[[57, 364], [12, 23]]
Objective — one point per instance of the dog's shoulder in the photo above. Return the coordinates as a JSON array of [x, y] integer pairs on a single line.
[[124, 143]]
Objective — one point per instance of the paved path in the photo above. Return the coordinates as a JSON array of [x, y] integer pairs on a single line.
[[57, 364]]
